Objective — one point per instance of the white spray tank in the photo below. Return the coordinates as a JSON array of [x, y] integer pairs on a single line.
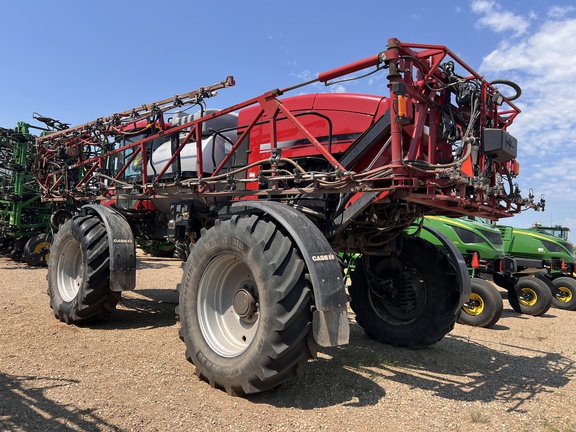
[[218, 136]]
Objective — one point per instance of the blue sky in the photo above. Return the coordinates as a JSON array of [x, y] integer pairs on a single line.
[[79, 60]]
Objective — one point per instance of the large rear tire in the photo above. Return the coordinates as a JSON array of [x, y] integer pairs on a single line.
[[245, 307], [536, 297], [413, 302], [484, 308], [567, 298], [79, 271]]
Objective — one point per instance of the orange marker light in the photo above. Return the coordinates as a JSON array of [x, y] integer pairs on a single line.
[[514, 167], [402, 107]]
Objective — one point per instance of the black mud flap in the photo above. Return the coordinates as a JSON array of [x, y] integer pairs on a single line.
[[122, 247], [504, 280], [553, 288], [330, 319], [464, 285]]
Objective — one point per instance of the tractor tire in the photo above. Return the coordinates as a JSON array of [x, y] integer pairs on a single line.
[[5, 246], [79, 271], [567, 299], [245, 307], [420, 315], [484, 308], [536, 297], [58, 218], [37, 250], [17, 251]]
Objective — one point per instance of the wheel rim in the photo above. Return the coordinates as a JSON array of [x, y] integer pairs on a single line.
[[43, 246], [474, 306], [228, 309], [398, 311], [529, 297], [565, 295], [69, 270]]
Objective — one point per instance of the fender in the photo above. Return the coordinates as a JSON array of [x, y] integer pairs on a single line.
[[121, 244], [330, 319], [463, 276]]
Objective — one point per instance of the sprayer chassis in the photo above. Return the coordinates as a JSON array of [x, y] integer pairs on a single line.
[[306, 177]]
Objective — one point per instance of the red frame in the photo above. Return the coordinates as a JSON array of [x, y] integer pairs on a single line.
[[412, 67]]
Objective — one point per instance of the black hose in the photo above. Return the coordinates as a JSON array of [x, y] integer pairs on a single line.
[[509, 83]]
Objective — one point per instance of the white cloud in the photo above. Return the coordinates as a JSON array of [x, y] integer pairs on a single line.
[[338, 88], [305, 75], [542, 60], [556, 182], [319, 87], [556, 179], [544, 64], [499, 20], [549, 52], [559, 11]]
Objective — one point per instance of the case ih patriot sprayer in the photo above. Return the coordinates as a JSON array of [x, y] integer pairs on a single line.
[[259, 198]]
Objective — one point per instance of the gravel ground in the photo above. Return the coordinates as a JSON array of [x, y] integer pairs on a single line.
[[130, 374]]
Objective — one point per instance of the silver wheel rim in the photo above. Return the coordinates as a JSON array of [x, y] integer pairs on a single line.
[[228, 311], [69, 270]]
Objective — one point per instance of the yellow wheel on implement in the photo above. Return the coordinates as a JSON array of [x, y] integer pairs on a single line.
[[532, 296], [484, 306], [475, 305], [529, 299], [565, 298]]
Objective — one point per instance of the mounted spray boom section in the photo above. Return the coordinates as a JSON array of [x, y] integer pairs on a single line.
[[439, 139]]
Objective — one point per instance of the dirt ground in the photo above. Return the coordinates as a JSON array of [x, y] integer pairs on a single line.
[[130, 374]]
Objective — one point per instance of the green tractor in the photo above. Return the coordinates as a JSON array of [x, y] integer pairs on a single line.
[[553, 230], [535, 251], [535, 279], [483, 249]]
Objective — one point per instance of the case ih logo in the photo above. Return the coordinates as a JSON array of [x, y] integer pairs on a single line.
[[324, 257]]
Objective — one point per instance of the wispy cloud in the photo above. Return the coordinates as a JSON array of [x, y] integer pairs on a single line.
[[319, 87], [541, 58], [544, 64], [555, 179], [560, 11], [495, 17]]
